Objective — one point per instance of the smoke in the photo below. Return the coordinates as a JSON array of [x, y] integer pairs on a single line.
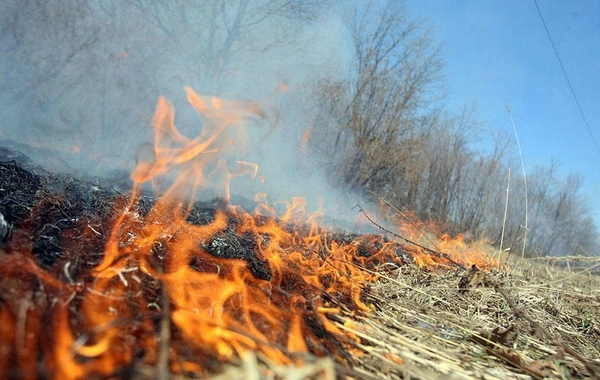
[[80, 81]]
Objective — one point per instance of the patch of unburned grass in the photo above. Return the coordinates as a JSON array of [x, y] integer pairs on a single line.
[[526, 320]]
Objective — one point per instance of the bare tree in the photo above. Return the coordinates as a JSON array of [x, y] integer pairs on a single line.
[[224, 31], [384, 101], [479, 208], [381, 129]]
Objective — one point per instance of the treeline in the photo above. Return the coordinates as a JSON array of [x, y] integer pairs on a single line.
[[382, 129], [87, 74]]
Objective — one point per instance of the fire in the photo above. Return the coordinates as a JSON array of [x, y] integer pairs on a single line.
[[190, 291], [263, 282], [428, 242]]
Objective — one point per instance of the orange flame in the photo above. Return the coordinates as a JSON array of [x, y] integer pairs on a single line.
[[272, 301], [429, 241], [224, 284]]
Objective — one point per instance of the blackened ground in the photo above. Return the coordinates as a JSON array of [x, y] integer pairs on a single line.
[[52, 216], [41, 210], [63, 219], [17, 191], [62, 223]]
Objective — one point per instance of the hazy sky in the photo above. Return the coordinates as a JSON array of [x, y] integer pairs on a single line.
[[498, 54]]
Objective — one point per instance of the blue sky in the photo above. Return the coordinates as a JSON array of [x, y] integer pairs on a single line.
[[497, 53]]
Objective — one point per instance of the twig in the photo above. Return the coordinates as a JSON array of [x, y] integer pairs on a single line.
[[428, 250], [567, 258], [504, 219], [405, 217], [162, 366]]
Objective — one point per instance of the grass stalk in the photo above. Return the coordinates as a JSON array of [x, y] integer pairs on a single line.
[[504, 219], [524, 180]]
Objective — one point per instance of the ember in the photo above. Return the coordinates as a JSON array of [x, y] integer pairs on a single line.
[[95, 283]]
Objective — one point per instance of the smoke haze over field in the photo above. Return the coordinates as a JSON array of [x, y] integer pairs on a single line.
[[365, 110], [80, 80]]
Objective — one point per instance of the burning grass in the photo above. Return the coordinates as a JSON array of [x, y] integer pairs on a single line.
[[179, 298], [96, 283]]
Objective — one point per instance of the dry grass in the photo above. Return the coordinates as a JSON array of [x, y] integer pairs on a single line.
[[525, 320], [440, 332]]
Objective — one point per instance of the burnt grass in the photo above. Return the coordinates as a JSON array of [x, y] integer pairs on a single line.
[[53, 214], [60, 224]]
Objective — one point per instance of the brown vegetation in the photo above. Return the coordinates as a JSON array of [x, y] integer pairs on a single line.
[[390, 136]]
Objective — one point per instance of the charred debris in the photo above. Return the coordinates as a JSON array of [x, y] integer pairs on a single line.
[[53, 215]]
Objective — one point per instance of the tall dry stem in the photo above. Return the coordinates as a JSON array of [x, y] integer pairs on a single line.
[[524, 180]]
